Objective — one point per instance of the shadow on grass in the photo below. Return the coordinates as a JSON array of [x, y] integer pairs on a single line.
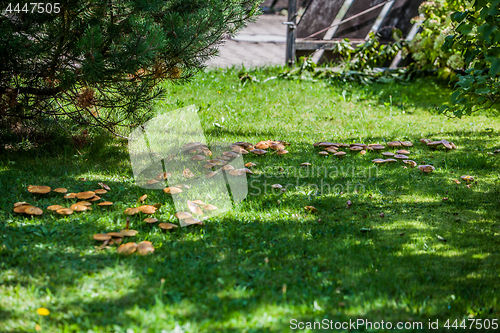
[[268, 256]]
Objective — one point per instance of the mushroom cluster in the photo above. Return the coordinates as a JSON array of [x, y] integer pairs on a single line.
[[447, 144]]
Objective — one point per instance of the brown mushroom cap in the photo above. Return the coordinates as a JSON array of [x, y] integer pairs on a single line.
[[426, 168], [305, 164], [183, 215], [262, 145], [276, 186], [132, 211], [403, 152], [362, 152], [435, 143], [407, 143], [356, 148], [447, 144], [378, 160], [230, 154], [105, 203], [145, 247], [38, 189], [198, 202], [401, 157], [129, 233], [193, 208], [54, 208], [147, 209], [101, 237], [389, 160], [238, 172], [172, 190], [225, 158], [127, 248], [197, 158], [21, 209], [32, 210], [78, 208], [340, 153], [388, 153], [85, 195], [394, 143], [60, 190], [150, 220], [209, 207], [410, 162], [64, 211], [281, 152], [211, 174], [167, 226], [142, 198], [227, 167], [426, 141], [85, 203], [323, 153], [262, 152], [95, 198], [115, 234], [151, 182], [250, 164], [277, 146], [192, 220], [70, 196], [187, 173], [21, 203], [100, 191], [377, 147]]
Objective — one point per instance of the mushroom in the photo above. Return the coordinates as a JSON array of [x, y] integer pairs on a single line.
[[198, 202], [447, 144], [277, 186], [53, 208], [32, 210], [407, 143], [403, 152], [38, 189], [401, 157], [187, 173], [172, 190], [95, 198], [282, 152], [150, 220], [426, 168], [182, 215], [378, 160], [192, 220], [167, 226], [227, 167], [85, 195], [435, 143], [238, 172], [147, 209], [261, 152], [197, 158], [60, 190], [132, 211], [376, 146], [78, 208], [193, 208], [325, 153], [105, 203], [356, 148], [101, 237], [390, 160], [211, 174], [467, 178], [250, 164], [394, 143], [129, 232], [305, 164], [100, 191], [410, 162], [340, 153], [277, 146], [209, 207], [142, 198], [64, 211], [70, 196], [127, 248], [262, 145], [145, 247], [388, 153]]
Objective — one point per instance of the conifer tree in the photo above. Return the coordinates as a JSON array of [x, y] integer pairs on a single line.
[[100, 62]]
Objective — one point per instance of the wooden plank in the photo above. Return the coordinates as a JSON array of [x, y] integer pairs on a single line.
[[360, 26], [318, 15], [400, 17], [309, 45]]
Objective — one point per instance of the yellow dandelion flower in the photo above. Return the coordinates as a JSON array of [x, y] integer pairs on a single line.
[[43, 312]]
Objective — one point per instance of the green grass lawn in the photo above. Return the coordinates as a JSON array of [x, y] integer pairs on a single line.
[[268, 261]]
